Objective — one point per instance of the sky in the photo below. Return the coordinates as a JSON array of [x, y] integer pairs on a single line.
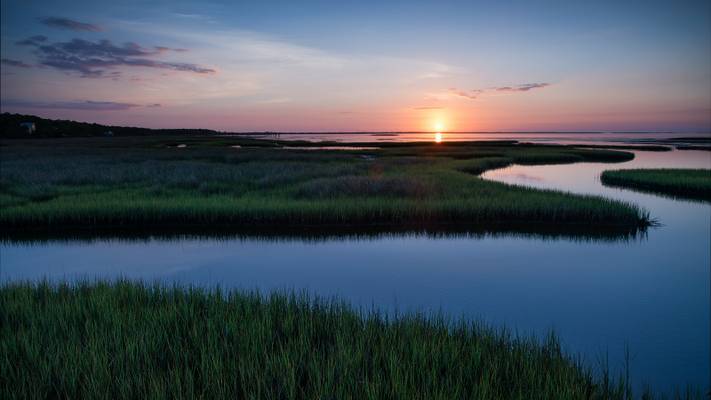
[[367, 65]]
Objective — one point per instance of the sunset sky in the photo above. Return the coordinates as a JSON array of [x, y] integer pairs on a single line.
[[361, 66]]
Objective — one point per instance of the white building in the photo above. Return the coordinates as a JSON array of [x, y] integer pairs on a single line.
[[29, 126]]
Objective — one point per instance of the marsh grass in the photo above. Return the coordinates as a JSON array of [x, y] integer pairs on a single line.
[[646, 147], [131, 340], [692, 184], [367, 186], [137, 182]]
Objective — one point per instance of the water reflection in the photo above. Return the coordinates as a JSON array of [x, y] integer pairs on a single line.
[[601, 292], [699, 138], [575, 233], [332, 148], [661, 285]]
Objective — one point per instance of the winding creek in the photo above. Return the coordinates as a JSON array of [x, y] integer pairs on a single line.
[[650, 294]]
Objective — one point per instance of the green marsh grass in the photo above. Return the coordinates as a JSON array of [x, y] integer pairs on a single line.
[[139, 182], [692, 184], [132, 340]]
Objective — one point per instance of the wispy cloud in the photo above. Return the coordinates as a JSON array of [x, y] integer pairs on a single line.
[[14, 63], [429, 108], [472, 94], [32, 41], [476, 93], [524, 87], [163, 48], [91, 59], [65, 23], [254, 48], [262, 53], [195, 17], [255, 69], [86, 105]]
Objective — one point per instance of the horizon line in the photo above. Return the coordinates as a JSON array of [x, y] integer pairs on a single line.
[[341, 132]]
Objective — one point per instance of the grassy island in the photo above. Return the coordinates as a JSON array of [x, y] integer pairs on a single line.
[[128, 340], [195, 181], [692, 184]]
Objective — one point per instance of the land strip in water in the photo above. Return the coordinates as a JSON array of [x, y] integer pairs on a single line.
[[206, 182], [692, 184]]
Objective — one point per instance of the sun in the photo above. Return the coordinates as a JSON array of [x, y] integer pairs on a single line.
[[438, 128]]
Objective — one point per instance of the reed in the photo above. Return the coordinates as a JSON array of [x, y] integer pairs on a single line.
[[132, 340], [81, 184], [692, 184]]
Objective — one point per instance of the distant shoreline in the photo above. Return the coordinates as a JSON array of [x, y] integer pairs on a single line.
[[10, 120]]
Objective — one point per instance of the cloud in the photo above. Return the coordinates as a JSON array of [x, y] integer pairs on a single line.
[[195, 17], [91, 59], [474, 94], [65, 23], [32, 41], [428, 108], [14, 63], [255, 65], [187, 67], [163, 48], [246, 48], [86, 105], [524, 87]]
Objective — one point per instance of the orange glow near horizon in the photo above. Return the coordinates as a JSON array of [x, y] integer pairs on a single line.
[[435, 120]]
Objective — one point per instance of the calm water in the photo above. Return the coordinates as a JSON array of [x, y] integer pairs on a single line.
[[539, 137], [650, 294]]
